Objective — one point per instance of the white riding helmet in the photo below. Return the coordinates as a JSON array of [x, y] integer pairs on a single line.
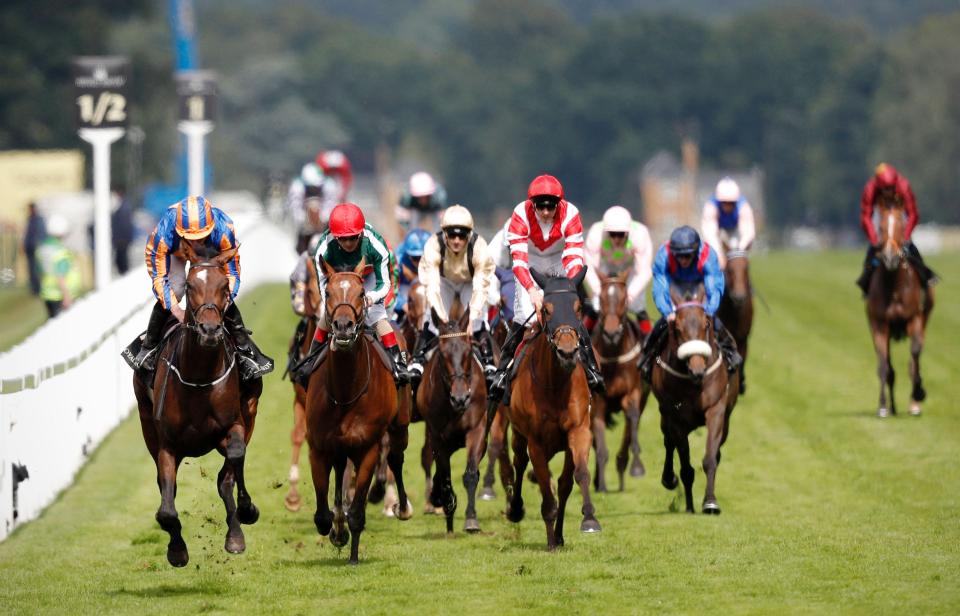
[[422, 184], [456, 216], [58, 226], [311, 175], [727, 190], [617, 220]]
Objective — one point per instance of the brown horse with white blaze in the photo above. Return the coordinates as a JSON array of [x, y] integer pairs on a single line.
[[897, 306], [618, 342], [352, 402], [196, 403], [550, 409], [694, 389]]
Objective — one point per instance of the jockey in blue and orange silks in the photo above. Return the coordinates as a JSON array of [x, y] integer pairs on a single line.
[[209, 231], [686, 260]]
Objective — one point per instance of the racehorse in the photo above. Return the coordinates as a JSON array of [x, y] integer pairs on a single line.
[[550, 409], [452, 400], [736, 306], [896, 307], [694, 389], [196, 403], [352, 402], [497, 440], [311, 300], [617, 342]]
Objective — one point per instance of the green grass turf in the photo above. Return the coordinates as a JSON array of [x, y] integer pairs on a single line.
[[22, 313], [826, 508]]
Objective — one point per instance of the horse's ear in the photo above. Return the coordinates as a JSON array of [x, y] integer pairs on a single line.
[[358, 270], [622, 276], [538, 278], [225, 257], [435, 317], [464, 320], [676, 295], [578, 279], [604, 279], [189, 254], [312, 296], [326, 267]]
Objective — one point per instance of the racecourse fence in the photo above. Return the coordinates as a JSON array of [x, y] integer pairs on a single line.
[[66, 387]]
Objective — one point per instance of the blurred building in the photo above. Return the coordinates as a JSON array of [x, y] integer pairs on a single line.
[[673, 191]]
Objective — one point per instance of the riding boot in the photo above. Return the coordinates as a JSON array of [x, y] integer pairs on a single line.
[[651, 348], [300, 371], [594, 377], [499, 382], [400, 374], [869, 264], [424, 342], [927, 276], [146, 358], [485, 349], [253, 363], [293, 353], [728, 346]]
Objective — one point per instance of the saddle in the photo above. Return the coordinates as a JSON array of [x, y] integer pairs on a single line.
[[130, 353], [306, 366]]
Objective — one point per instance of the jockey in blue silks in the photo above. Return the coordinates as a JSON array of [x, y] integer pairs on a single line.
[[686, 260], [408, 260]]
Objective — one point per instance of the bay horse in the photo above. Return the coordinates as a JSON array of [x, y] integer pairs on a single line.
[[550, 409], [617, 342], [693, 387], [452, 399], [196, 403], [897, 306], [498, 437], [736, 306], [311, 302], [352, 402]]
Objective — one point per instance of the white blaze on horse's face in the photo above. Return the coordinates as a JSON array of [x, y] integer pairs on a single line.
[[344, 285], [202, 276], [694, 347]]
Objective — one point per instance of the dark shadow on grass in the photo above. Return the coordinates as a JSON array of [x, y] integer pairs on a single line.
[[167, 590]]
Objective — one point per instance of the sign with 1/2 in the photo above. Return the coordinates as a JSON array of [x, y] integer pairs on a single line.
[[100, 91], [197, 91]]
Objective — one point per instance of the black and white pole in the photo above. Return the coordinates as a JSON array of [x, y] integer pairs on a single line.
[[100, 85], [197, 92]]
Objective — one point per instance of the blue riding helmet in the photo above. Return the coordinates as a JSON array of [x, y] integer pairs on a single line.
[[684, 241], [414, 242]]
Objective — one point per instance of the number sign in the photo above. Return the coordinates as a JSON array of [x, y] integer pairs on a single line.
[[198, 95], [100, 91]]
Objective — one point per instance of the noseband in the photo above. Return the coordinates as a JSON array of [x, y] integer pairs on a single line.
[[195, 312], [359, 316]]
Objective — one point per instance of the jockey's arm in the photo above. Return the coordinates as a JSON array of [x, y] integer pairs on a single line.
[[228, 241], [713, 283], [483, 270], [429, 273], [642, 263], [572, 257], [866, 212], [381, 271], [710, 224], [746, 227], [591, 255], [910, 205], [518, 236], [661, 283], [157, 256]]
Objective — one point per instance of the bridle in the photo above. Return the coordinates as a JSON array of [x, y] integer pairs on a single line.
[[555, 333], [609, 337], [359, 316], [447, 377], [686, 375], [193, 323]]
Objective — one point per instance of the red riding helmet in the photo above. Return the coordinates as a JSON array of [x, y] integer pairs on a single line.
[[545, 185], [345, 220], [886, 175]]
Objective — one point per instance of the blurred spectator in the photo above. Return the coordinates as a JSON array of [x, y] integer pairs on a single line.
[[59, 276], [32, 238], [122, 230]]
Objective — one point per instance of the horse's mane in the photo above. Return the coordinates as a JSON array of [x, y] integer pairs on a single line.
[[206, 252], [688, 291]]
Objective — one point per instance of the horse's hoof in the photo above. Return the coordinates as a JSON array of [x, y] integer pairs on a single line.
[[883, 412], [323, 524], [377, 492], [637, 469], [292, 502], [403, 514], [340, 538], [471, 525], [235, 545], [915, 409], [711, 508], [248, 515], [919, 393], [388, 512], [515, 515], [589, 525], [488, 494], [670, 483], [178, 558]]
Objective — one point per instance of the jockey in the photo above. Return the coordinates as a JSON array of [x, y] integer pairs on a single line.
[[408, 261], [686, 259], [888, 185], [206, 228], [455, 264], [545, 232], [620, 244], [727, 220], [348, 240], [421, 204], [308, 204], [337, 173]]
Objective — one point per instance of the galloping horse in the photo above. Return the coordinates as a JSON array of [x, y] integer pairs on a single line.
[[736, 306], [196, 403], [497, 439], [451, 399], [693, 387], [351, 403], [617, 342], [550, 410], [897, 306]]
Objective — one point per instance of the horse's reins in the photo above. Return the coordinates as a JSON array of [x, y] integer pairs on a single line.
[[688, 376], [453, 376], [360, 318]]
